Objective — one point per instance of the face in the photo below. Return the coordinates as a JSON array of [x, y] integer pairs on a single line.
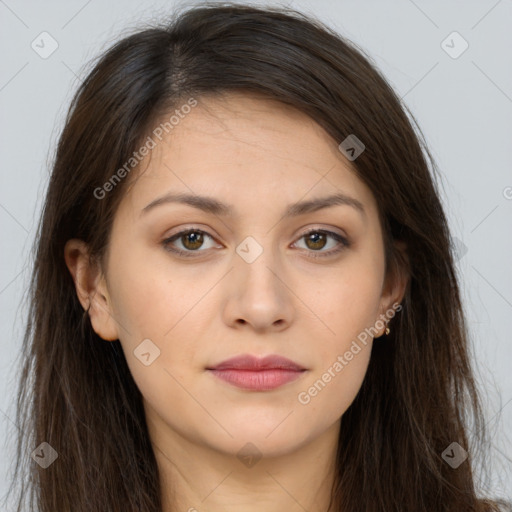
[[247, 271]]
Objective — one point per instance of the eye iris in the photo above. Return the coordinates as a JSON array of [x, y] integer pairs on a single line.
[[316, 238], [192, 240]]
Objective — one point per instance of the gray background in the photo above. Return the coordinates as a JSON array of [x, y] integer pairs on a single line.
[[463, 105]]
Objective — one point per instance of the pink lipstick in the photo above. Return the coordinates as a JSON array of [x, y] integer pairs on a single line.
[[257, 374]]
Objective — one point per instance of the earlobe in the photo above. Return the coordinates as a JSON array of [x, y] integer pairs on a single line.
[[91, 289]]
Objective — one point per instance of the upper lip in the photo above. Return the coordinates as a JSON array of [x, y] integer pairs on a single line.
[[249, 362]]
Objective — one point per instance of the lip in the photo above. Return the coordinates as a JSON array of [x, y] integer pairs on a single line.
[[257, 374], [249, 362]]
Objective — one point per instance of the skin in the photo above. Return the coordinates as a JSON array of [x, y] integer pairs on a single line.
[[258, 156]]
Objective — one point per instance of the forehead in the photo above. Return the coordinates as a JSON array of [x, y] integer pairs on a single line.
[[247, 151]]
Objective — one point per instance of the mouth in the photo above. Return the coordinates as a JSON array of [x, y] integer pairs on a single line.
[[257, 374]]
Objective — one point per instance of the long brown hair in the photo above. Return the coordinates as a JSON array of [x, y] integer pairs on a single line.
[[76, 391]]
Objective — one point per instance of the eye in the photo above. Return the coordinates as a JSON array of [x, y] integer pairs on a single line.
[[317, 239], [193, 241], [190, 239]]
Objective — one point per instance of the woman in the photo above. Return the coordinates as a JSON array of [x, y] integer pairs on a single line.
[[244, 295]]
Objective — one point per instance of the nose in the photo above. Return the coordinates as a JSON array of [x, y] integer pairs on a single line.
[[257, 296]]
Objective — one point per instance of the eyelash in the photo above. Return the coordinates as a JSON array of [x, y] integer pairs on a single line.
[[344, 243]]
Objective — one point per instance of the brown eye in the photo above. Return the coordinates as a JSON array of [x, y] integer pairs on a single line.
[[192, 240], [316, 240]]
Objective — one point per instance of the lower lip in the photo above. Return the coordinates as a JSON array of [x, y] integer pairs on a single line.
[[260, 380]]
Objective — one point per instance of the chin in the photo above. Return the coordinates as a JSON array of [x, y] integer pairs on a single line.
[[259, 439]]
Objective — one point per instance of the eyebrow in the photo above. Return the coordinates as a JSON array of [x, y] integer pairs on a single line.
[[215, 207]]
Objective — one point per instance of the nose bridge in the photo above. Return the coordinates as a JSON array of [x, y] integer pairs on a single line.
[[258, 295], [258, 264]]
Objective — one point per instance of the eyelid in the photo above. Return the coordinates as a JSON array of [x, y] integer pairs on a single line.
[[329, 231]]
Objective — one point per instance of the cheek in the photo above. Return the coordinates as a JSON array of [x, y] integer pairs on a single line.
[[334, 386], [336, 380], [348, 304], [152, 298], [347, 301], [162, 304]]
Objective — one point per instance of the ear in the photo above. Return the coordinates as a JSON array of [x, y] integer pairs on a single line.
[[91, 288], [396, 280]]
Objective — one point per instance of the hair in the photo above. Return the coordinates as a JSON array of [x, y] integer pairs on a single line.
[[76, 391]]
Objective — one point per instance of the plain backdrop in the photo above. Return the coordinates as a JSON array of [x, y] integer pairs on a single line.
[[461, 97]]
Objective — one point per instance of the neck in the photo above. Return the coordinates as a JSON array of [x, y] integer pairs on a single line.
[[195, 477]]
